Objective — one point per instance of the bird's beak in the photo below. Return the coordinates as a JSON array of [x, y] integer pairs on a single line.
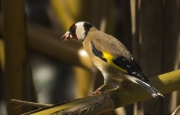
[[66, 36]]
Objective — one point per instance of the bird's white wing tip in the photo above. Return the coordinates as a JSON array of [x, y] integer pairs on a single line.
[[156, 95]]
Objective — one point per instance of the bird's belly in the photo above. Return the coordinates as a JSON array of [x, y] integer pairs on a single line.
[[112, 72], [103, 66]]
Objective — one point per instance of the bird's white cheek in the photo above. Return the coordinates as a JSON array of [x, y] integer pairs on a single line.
[[81, 37], [80, 34]]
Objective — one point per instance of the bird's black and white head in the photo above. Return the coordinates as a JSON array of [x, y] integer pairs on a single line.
[[78, 31]]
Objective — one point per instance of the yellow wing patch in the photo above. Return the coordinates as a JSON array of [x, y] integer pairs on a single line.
[[109, 59]]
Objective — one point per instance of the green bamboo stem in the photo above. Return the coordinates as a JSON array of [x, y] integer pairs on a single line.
[[114, 98]]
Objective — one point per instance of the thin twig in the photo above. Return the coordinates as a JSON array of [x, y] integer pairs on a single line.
[[30, 103]]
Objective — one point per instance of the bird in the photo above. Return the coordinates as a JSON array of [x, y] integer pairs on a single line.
[[110, 56]]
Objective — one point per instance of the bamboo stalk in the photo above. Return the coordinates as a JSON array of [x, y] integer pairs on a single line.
[[2, 57], [176, 111], [114, 98], [14, 35]]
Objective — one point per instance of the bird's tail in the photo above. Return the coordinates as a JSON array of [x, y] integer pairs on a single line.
[[150, 89]]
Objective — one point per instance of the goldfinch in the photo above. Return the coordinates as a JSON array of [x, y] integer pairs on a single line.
[[110, 56]]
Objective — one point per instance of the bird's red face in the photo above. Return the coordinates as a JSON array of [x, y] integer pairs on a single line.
[[70, 34]]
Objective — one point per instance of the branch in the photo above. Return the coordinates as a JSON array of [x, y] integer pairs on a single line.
[[114, 98]]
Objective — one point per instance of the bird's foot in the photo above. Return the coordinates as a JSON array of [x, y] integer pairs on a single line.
[[97, 91]]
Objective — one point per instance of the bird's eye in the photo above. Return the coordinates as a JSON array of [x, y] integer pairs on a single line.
[[73, 29]]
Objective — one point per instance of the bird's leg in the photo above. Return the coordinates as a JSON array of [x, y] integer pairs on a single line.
[[98, 90], [106, 81]]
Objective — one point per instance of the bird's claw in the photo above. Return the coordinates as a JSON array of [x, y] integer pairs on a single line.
[[95, 93]]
